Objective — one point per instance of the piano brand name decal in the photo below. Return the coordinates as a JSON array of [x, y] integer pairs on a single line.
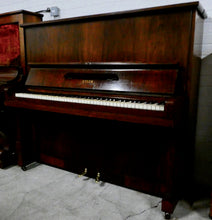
[[87, 81]]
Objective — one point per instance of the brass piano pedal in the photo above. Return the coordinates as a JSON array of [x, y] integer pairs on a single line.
[[83, 173], [97, 177]]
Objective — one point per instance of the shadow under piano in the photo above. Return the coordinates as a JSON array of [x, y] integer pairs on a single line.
[[113, 97]]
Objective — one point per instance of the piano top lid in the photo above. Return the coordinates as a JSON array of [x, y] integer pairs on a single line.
[[21, 12], [192, 5]]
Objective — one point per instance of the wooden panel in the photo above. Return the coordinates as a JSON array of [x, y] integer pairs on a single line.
[[155, 38], [165, 119], [112, 80], [21, 16]]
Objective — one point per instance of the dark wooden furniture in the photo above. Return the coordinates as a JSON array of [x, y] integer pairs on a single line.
[[114, 95], [12, 66]]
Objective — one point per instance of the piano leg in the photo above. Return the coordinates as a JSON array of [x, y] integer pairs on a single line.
[[7, 156], [19, 143], [7, 152], [25, 149], [168, 207]]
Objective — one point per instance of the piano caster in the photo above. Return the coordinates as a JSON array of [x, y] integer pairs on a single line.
[[29, 166], [83, 173], [167, 215], [24, 168], [97, 177]]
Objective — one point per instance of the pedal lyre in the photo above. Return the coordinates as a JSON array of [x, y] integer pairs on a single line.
[[84, 172], [97, 177]]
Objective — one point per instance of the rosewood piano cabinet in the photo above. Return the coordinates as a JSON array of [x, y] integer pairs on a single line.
[[113, 96], [12, 66]]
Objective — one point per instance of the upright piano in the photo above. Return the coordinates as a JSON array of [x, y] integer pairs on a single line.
[[12, 66], [113, 96]]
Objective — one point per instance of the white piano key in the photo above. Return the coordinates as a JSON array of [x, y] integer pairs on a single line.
[[96, 101]]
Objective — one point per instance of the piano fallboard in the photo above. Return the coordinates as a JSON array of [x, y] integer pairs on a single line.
[[136, 93], [120, 77]]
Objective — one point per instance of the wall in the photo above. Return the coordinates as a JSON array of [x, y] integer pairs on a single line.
[[73, 8], [203, 153]]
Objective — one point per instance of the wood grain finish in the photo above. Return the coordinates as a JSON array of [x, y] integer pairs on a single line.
[[126, 38], [144, 150], [113, 80]]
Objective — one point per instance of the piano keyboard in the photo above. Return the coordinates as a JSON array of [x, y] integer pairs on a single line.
[[153, 106]]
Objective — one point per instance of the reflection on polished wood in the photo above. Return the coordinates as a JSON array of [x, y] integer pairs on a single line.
[[78, 106]]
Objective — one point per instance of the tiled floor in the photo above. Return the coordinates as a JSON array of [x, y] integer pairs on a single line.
[[47, 193]]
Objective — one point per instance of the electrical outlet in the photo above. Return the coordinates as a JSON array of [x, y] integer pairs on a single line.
[[55, 11]]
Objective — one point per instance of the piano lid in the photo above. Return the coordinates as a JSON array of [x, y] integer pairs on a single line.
[[149, 79], [164, 8]]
